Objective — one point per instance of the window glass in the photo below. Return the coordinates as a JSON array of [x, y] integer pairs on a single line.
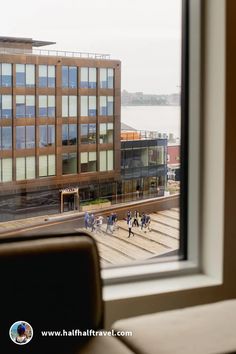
[[103, 161], [30, 167], [65, 76], [20, 168], [88, 161], [5, 138], [42, 106], [20, 75], [69, 163], [30, 106], [43, 166], [51, 165], [20, 106], [92, 106], [72, 134], [72, 106], [51, 106], [72, 76], [110, 78], [103, 106], [5, 75], [84, 106], [110, 159], [106, 133], [51, 76], [42, 75], [30, 75], [92, 78], [84, 77], [20, 137], [30, 137], [6, 170], [103, 78], [5, 106], [64, 106]]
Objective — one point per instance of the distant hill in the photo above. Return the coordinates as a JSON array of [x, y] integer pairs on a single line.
[[141, 99]]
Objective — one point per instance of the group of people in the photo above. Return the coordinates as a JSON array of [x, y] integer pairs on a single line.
[[137, 219], [95, 222]]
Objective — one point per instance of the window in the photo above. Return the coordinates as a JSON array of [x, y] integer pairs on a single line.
[[69, 134], [5, 75], [46, 75], [25, 137], [106, 78], [25, 75], [47, 165], [25, 106], [106, 133], [88, 78], [88, 133], [88, 106], [88, 161], [46, 135], [69, 76], [25, 168], [47, 106], [69, 163], [5, 138], [106, 160], [69, 106], [6, 170], [5, 106], [106, 105]]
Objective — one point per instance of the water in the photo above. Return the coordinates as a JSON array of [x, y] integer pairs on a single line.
[[164, 119]]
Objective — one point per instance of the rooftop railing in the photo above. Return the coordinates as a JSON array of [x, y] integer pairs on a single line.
[[54, 53], [141, 135]]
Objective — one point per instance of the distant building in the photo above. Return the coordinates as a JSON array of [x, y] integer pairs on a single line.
[[59, 125], [173, 161]]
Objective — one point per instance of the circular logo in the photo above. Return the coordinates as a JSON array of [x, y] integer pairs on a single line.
[[21, 332]]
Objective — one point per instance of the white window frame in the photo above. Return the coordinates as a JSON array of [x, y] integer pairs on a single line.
[[204, 267]]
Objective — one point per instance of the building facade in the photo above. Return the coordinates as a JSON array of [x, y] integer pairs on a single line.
[[59, 126]]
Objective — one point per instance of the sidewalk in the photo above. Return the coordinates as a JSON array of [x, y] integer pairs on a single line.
[[26, 223]]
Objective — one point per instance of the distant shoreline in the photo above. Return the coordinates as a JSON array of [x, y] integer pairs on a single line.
[[150, 105]]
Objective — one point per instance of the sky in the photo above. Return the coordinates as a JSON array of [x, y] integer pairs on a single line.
[[144, 34]]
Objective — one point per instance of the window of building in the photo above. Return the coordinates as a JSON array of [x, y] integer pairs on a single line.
[[69, 134], [106, 133], [5, 75], [46, 135], [5, 138], [47, 75], [69, 76], [69, 106], [25, 75], [106, 105], [88, 161], [47, 165], [25, 106], [25, 137], [88, 78], [47, 106], [25, 168], [69, 163], [88, 133], [88, 106], [6, 170], [5, 106], [106, 78], [106, 160]]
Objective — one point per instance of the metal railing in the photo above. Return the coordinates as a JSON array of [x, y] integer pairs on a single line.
[[55, 53], [141, 135]]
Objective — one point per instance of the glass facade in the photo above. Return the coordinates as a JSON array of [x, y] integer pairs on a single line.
[[69, 106], [46, 135], [88, 133], [47, 106], [5, 75], [25, 137], [25, 75], [88, 106], [69, 163], [5, 138], [69, 134], [25, 106], [107, 78], [25, 168], [46, 76], [106, 105], [106, 162], [88, 78], [88, 161], [5, 106], [69, 76], [106, 133], [47, 165], [6, 170]]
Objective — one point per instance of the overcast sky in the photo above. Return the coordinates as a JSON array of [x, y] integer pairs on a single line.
[[144, 34]]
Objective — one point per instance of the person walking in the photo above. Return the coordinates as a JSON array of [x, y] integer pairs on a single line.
[[143, 220], [86, 220], [130, 225]]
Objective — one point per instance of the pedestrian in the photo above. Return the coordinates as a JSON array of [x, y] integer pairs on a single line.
[[130, 224], [143, 220], [148, 222], [92, 222], [129, 216], [109, 224], [136, 216], [86, 220]]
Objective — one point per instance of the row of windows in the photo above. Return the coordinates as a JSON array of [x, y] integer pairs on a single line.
[[25, 135], [25, 76], [26, 106], [26, 166]]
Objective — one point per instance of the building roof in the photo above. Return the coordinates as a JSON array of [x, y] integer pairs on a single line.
[[127, 127], [33, 42]]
